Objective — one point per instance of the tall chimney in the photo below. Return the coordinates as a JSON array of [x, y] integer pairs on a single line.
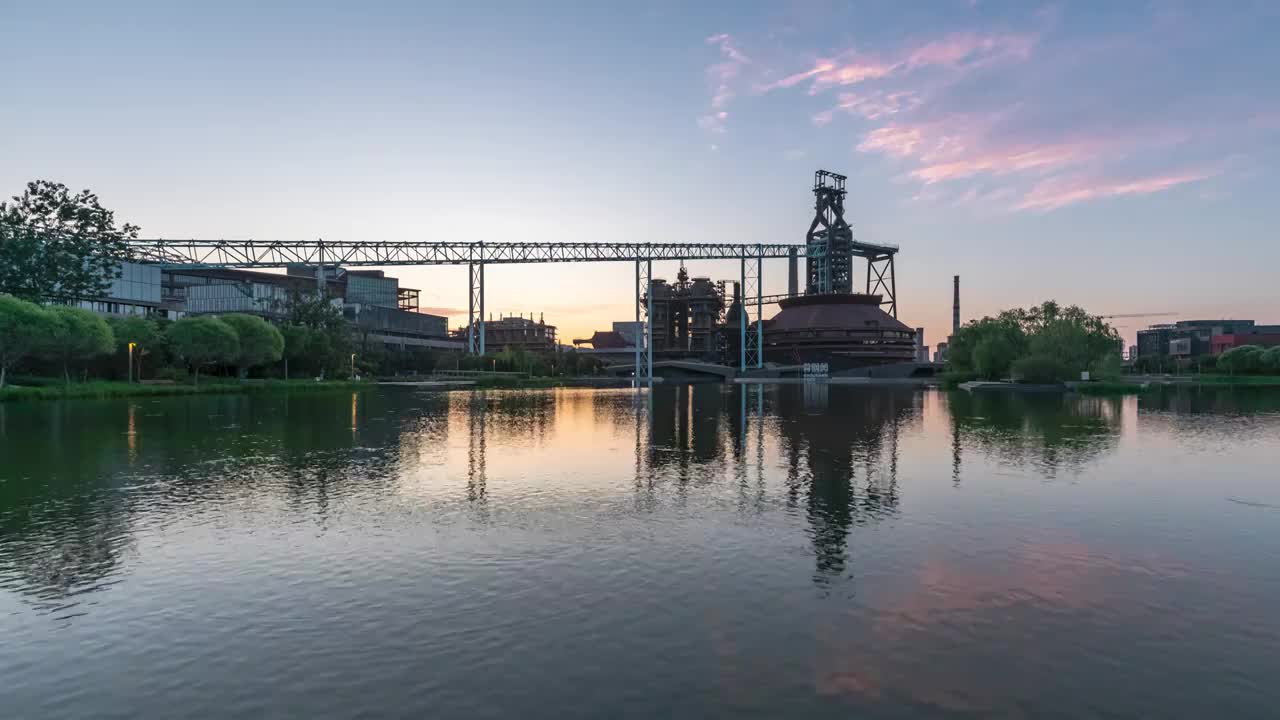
[[955, 308]]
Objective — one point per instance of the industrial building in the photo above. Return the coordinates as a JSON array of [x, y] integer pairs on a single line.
[[516, 332], [1200, 338], [137, 291], [686, 314], [829, 323], [378, 307], [826, 322]]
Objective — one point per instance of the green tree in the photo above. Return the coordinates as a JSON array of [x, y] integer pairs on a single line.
[[75, 335], [1241, 360], [136, 330], [296, 338], [988, 347], [329, 338], [203, 340], [1045, 343], [140, 331], [1271, 360], [260, 341], [1038, 368], [58, 245], [23, 326]]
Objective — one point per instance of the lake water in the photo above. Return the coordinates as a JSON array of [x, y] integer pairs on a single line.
[[695, 552]]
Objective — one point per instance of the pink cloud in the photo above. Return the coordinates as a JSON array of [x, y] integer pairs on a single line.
[[852, 71], [957, 48], [1003, 161], [728, 77], [877, 104], [721, 77], [896, 141], [793, 80], [1056, 193], [957, 148]]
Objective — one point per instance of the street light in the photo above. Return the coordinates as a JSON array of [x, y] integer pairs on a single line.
[[131, 347], [353, 366]]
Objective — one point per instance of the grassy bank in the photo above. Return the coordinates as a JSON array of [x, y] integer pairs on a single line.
[[1216, 379], [1111, 388], [102, 389]]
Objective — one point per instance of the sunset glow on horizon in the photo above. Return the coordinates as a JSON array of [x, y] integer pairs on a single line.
[[1118, 156]]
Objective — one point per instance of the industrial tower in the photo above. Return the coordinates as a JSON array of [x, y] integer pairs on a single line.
[[829, 242]]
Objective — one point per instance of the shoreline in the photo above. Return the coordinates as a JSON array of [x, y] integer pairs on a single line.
[[110, 389]]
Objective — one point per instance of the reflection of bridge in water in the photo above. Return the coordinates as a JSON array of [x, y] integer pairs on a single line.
[[837, 463], [784, 446]]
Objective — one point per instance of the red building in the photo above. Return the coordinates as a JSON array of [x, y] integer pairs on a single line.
[[1223, 343]]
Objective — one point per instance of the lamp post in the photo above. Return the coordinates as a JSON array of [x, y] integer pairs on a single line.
[[131, 347], [353, 366]]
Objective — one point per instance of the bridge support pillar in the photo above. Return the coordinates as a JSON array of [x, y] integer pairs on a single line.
[[475, 304], [751, 346], [644, 323]]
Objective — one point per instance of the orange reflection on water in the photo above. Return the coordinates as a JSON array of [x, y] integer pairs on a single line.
[[132, 433]]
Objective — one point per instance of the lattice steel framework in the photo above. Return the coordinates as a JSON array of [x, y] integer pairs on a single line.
[[279, 253], [179, 254], [644, 323], [830, 247], [885, 284], [829, 240], [475, 302], [749, 342]]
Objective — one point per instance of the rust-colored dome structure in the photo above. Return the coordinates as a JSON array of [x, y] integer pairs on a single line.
[[844, 330]]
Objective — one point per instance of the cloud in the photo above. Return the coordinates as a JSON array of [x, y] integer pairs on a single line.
[[878, 104], [954, 148], [896, 141], [721, 78], [1021, 118], [735, 73], [1006, 160], [1058, 192], [958, 50]]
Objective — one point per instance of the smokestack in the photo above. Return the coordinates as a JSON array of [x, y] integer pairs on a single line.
[[955, 308]]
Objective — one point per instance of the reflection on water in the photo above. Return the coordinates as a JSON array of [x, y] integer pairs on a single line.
[[797, 550], [1050, 431]]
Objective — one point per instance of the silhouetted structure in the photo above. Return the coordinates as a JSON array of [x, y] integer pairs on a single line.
[[518, 333], [686, 314]]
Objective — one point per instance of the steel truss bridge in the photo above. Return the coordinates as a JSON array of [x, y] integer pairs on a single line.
[[192, 254]]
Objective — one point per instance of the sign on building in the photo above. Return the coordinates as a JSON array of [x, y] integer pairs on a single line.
[[813, 371]]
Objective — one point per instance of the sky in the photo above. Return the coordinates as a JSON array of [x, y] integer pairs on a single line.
[[1119, 156]]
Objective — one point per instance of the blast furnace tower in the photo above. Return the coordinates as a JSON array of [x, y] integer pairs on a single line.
[[829, 251]]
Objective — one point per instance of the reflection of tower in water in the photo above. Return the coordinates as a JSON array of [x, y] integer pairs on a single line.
[[841, 452], [834, 440]]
